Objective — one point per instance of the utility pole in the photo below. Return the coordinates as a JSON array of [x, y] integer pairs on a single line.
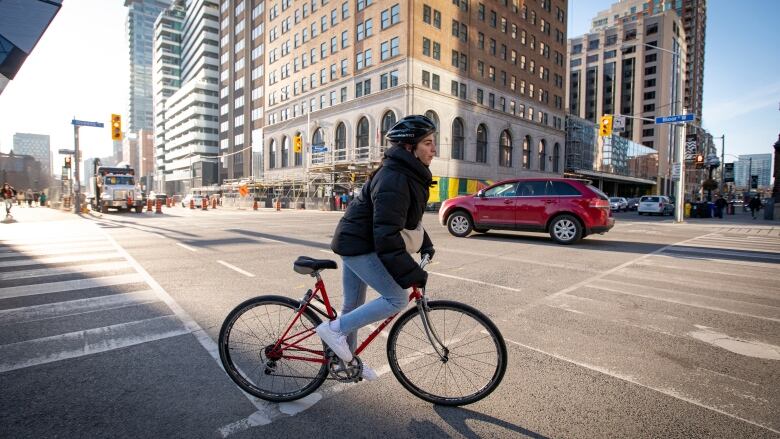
[[76, 182], [722, 161], [680, 193]]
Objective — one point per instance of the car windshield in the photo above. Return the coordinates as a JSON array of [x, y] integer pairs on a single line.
[[650, 199], [614, 199], [112, 179]]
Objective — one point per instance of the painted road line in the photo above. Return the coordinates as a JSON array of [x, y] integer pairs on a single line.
[[75, 307], [681, 255], [89, 268], [56, 251], [68, 285], [233, 267], [603, 274], [465, 279], [61, 259], [667, 392], [91, 341], [745, 254], [649, 263], [680, 302], [54, 244], [516, 259], [187, 247]]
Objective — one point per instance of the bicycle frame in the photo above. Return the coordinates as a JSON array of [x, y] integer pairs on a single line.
[[287, 341]]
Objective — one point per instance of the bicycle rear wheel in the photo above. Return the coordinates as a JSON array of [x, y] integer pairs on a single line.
[[246, 343], [473, 366]]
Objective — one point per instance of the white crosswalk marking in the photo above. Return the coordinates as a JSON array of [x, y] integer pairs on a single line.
[[78, 277]]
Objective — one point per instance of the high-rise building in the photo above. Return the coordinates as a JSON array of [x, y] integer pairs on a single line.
[[753, 164], [186, 88], [632, 68], [36, 145], [242, 59], [340, 74], [694, 20], [139, 27]]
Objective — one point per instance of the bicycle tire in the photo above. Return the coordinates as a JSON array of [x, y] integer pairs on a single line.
[[409, 330], [237, 338]]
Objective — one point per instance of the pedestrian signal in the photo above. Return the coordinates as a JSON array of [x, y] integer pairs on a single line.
[[67, 161], [699, 160], [116, 127], [297, 144], [605, 127]]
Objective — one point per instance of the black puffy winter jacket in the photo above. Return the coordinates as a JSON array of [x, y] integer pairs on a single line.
[[393, 199]]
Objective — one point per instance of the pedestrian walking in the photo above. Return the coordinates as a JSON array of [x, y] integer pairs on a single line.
[[720, 204], [28, 196], [754, 205], [9, 193], [42, 199], [337, 200], [19, 198], [344, 201], [36, 196]]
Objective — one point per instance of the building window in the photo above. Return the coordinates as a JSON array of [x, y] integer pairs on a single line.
[[285, 151], [430, 114], [318, 139], [388, 120], [505, 149], [341, 142], [458, 139], [481, 144], [362, 137], [556, 156], [272, 155], [527, 152], [542, 155]]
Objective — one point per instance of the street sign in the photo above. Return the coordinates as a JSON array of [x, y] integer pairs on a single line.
[[728, 173], [675, 118], [619, 123], [67, 152], [690, 147], [676, 171], [319, 148], [85, 123], [754, 182]]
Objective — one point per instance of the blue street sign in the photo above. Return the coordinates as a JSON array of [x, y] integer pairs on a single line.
[[675, 118], [319, 148], [84, 123]]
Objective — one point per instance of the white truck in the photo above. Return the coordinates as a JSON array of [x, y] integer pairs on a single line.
[[114, 188]]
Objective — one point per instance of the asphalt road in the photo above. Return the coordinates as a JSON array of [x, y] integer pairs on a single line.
[[107, 329]]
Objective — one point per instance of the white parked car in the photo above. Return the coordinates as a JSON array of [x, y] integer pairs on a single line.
[[618, 203], [655, 205]]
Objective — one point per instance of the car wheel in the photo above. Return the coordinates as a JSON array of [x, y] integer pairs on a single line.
[[565, 229], [481, 230], [459, 224]]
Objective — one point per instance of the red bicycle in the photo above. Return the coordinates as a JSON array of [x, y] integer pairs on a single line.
[[444, 352]]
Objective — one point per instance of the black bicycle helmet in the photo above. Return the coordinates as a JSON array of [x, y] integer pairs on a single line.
[[411, 129]]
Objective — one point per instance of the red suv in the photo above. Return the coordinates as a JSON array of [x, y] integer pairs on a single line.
[[567, 209]]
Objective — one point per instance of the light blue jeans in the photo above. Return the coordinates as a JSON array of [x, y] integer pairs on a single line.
[[359, 272]]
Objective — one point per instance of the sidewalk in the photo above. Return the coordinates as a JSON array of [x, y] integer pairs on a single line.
[[37, 214], [739, 218]]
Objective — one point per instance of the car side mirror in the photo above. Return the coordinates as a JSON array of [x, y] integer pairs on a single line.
[[481, 194]]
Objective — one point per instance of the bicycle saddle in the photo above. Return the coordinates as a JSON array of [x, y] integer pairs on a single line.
[[307, 265]]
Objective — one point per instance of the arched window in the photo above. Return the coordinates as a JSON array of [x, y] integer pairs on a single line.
[[458, 139], [285, 152], [318, 139], [388, 120], [527, 152], [505, 149], [556, 156], [341, 141], [542, 155], [430, 114], [298, 155], [361, 139], [482, 137], [272, 155]]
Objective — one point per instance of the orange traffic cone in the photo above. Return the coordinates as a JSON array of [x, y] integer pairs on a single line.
[[254, 205], [278, 204], [159, 207], [192, 203], [214, 203], [205, 205], [148, 204]]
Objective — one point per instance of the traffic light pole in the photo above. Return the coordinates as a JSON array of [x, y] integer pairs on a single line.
[[680, 193], [76, 182]]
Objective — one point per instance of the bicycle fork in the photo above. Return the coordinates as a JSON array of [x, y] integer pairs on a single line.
[[430, 331]]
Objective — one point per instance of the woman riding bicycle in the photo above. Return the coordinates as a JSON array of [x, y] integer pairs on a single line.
[[379, 230]]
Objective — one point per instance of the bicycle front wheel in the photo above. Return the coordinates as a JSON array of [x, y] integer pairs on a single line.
[[475, 356], [246, 347]]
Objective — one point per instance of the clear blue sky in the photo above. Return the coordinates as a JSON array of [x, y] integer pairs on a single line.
[[80, 68], [741, 70]]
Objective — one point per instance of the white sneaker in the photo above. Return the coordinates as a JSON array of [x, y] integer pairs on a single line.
[[369, 374], [335, 340]]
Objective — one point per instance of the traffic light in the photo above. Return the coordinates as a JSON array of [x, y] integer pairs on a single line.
[[699, 161], [67, 161], [116, 127], [297, 144], [605, 127], [754, 182]]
